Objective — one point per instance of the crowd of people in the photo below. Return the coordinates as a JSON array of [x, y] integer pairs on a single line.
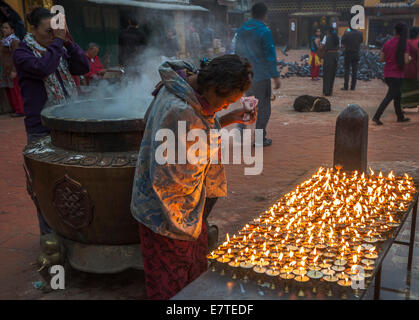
[[399, 53]]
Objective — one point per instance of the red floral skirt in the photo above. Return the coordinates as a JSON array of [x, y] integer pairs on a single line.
[[170, 265]]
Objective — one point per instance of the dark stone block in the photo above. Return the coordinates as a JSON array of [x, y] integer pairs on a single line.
[[351, 139]]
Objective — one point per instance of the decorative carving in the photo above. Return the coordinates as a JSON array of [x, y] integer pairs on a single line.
[[29, 186], [72, 203], [120, 161], [45, 151]]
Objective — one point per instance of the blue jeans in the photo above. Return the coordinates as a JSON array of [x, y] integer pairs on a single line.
[[44, 228]]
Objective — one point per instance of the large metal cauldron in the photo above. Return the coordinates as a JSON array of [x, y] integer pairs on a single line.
[[81, 176]]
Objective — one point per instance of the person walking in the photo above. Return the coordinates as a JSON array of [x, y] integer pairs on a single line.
[[8, 45], [45, 61], [351, 40], [171, 199], [255, 42], [410, 86], [330, 61], [395, 53], [314, 60]]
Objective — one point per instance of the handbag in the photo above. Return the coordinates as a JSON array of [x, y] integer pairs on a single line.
[[322, 51]]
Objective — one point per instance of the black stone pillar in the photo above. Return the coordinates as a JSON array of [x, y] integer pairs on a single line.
[[351, 139]]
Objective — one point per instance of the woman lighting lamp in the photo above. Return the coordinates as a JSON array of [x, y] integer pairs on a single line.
[[169, 200]]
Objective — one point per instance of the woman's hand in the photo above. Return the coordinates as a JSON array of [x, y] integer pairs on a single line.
[[239, 116], [58, 32], [246, 117]]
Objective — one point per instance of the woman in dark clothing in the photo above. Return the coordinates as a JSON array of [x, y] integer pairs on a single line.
[[45, 61], [330, 62], [396, 55]]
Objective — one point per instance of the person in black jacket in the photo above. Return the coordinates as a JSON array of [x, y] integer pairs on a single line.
[[330, 61], [352, 41], [132, 41]]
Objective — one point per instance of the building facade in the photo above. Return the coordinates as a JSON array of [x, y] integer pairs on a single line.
[[294, 22], [382, 15], [101, 21]]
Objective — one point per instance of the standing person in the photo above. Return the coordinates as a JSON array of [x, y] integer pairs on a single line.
[[314, 60], [8, 14], [8, 45], [194, 44], [132, 41], [351, 40], [171, 44], [255, 42], [395, 53], [45, 61], [410, 86], [208, 40], [171, 200], [96, 68], [330, 61]]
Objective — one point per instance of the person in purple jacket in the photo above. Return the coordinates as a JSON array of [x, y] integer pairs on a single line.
[[45, 61]]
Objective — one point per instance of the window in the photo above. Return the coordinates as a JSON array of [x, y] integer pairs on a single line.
[[92, 17], [110, 18]]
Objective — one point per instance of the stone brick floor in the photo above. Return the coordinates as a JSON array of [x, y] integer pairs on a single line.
[[301, 143]]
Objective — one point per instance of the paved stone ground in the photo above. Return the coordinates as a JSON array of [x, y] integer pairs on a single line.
[[301, 143]]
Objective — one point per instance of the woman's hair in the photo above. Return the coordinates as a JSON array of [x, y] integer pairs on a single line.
[[35, 17], [10, 23], [227, 73], [414, 32], [401, 31]]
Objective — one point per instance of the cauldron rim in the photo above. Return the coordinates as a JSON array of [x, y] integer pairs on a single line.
[[127, 124]]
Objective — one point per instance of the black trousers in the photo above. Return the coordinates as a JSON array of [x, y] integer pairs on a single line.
[[351, 61], [394, 93], [209, 205], [262, 90], [329, 72], [44, 228]]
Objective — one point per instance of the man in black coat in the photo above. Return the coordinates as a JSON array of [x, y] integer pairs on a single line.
[[351, 40]]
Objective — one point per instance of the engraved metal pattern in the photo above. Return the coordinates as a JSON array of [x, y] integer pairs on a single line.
[[72, 203], [45, 151], [29, 185]]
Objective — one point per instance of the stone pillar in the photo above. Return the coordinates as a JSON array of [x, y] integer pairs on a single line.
[[351, 139]]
